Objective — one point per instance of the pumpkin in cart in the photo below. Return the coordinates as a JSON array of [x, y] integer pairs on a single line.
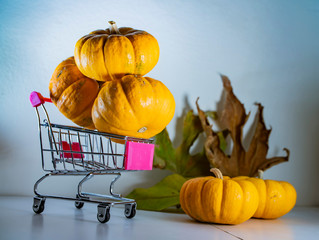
[[276, 198], [111, 53], [133, 106], [219, 199], [73, 93]]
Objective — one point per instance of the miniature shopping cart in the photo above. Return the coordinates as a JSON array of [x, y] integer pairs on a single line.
[[75, 151]]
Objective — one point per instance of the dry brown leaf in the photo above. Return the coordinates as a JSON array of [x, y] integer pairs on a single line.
[[233, 118]]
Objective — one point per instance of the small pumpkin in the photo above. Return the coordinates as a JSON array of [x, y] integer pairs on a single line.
[[73, 93], [133, 106], [109, 54], [219, 199], [276, 198]]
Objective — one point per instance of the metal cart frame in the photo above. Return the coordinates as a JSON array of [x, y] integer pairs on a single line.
[[75, 151]]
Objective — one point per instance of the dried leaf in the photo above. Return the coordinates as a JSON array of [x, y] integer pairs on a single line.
[[233, 118]]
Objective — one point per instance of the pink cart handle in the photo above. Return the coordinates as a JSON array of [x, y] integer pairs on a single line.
[[37, 99]]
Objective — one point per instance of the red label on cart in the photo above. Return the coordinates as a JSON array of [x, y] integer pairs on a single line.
[[65, 147], [75, 148], [139, 156]]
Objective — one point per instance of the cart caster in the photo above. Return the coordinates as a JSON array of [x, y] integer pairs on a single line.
[[78, 204], [38, 204], [130, 210], [103, 213]]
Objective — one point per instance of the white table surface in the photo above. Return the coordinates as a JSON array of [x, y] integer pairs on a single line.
[[61, 220]]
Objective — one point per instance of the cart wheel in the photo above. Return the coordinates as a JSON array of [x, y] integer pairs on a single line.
[[130, 210], [78, 204], [103, 213], [38, 204]]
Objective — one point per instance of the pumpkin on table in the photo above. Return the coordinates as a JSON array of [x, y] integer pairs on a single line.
[[133, 106], [219, 199], [111, 53], [276, 198], [73, 93]]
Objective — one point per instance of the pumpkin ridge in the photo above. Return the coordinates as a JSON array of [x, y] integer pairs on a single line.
[[134, 31], [129, 103], [102, 115], [244, 199], [185, 192], [204, 213], [63, 93], [196, 209], [125, 30], [106, 119], [200, 207], [58, 99], [104, 43], [224, 196], [89, 105], [78, 50], [150, 81], [73, 93], [242, 202], [110, 67], [219, 217], [100, 32], [215, 183], [291, 194], [89, 122]]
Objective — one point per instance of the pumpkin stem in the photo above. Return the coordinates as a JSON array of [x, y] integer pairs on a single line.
[[260, 174], [217, 173], [113, 28]]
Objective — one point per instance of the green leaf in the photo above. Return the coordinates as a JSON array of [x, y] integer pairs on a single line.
[[161, 196], [179, 160], [164, 152], [191, 129]]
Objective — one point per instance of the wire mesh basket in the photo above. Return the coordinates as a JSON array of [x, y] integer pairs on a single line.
[[67, 150]]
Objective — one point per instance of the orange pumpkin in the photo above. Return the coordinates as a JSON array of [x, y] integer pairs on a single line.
[[73, 93], [276, 198], [133, 106], [219, 199], [109, 54]]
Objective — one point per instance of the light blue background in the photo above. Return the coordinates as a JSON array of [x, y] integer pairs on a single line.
[[269, 50]]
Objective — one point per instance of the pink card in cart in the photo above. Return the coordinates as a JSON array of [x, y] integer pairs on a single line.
[[139, 156]]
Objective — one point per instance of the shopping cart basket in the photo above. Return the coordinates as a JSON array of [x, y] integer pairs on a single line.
[[75, 151]]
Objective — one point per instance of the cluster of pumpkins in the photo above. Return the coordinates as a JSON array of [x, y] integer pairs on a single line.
[[226, 200], [103, 85]]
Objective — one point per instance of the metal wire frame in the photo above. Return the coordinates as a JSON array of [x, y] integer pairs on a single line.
[[99, 153]]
